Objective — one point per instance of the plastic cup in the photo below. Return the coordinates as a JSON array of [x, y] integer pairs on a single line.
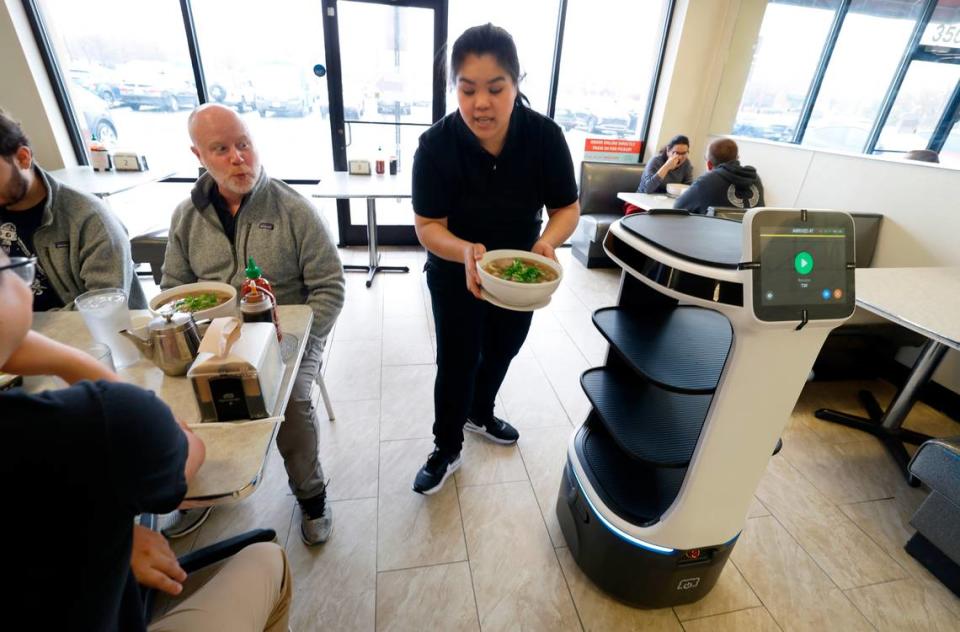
[[101, 353], [105, 313]]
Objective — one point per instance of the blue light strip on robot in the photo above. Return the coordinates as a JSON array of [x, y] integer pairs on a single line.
[[624, 536]]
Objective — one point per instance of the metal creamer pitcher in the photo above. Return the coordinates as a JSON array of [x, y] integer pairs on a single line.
[[171, 342]]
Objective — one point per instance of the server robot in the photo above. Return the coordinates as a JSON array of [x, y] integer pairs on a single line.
[[716, 328]]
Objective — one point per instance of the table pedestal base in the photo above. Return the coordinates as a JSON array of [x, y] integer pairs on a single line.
[[374, 266], [886, 425], [372, 270]]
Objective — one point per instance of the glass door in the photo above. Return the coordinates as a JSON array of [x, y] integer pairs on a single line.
[[386, 88]]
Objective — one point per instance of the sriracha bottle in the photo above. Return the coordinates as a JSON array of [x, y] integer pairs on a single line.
[[255, 294]]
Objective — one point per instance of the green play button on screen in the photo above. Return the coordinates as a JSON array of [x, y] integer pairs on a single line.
[[803, 262]]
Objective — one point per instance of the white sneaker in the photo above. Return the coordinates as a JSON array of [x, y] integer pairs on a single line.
[[184, 522], [317, 531]]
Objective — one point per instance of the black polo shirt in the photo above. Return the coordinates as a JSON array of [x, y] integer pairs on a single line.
[[492, 200]]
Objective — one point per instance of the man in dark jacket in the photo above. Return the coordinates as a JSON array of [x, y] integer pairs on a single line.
[[726, 182]]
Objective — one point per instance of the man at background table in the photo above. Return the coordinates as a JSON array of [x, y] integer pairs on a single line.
[[726, 182], [79, 244], [236, 211]]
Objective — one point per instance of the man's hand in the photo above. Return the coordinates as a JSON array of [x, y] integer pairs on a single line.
[[154, 563], [471, 255], [544, 249]]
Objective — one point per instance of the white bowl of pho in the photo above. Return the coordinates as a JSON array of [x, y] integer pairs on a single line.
[[519, 278], [204, 299]]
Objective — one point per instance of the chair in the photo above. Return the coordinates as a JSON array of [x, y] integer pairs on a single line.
[[599, 207], [935, 544], [150, 248], [325, 396]]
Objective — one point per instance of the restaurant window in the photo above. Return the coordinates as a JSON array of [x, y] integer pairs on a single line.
[[853, 91], [608, 97], [920, 103], [260, 63], [785, 60], [131, 83], [930, 91], [905, 96], [533, 25]]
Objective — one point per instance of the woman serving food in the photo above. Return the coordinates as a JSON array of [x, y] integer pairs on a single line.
[[481, 176]]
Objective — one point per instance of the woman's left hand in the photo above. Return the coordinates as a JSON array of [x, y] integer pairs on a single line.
[[544, 249]]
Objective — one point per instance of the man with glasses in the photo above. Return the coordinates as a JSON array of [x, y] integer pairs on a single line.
[[726, 182], [78, 244], [101, 451]]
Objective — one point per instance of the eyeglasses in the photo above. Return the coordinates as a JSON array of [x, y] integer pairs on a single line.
[[23, 267]]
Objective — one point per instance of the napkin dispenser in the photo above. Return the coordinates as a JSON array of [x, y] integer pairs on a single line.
[[238, 371]]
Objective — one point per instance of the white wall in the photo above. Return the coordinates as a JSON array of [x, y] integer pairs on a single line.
[[26, 94]]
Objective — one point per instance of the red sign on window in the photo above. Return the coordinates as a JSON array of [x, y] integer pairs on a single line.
[[612, 150]]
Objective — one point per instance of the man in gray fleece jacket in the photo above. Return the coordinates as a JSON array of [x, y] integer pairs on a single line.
[[236, 211], [79, 244]]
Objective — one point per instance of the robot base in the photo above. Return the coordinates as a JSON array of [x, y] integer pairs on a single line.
[[631, 572]]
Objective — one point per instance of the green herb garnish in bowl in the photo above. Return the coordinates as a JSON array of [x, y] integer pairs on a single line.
[[197, 302], [522, 273]]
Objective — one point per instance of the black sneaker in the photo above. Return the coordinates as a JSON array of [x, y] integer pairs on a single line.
[[435, 472], [497, 430]]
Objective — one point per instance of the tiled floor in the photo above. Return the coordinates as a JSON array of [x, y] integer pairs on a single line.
[[821, 548]]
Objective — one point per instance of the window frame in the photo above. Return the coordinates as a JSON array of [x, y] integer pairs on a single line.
[[68, 112], [913, 51], [654, 80]]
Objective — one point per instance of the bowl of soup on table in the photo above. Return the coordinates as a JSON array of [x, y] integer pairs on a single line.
[[674, 189], [205, 299], [518, 277]]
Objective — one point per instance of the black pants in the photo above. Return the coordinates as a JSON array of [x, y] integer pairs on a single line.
[[475, 344]]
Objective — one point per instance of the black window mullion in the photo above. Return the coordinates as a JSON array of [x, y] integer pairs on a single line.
[[338, 139], [557, 56], [891, 96], [440, 27], [828, 46], [56, 80], [190, 31], [951, 114]]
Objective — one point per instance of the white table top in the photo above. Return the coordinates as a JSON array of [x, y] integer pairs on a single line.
[[647, 201], [236, 452], [925, 300], [107, 183], [340, 184]]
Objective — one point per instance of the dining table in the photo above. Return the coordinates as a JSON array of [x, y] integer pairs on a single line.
[[236, 451]]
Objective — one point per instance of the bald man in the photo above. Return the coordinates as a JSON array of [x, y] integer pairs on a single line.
[[726, 182], [236, 211]]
